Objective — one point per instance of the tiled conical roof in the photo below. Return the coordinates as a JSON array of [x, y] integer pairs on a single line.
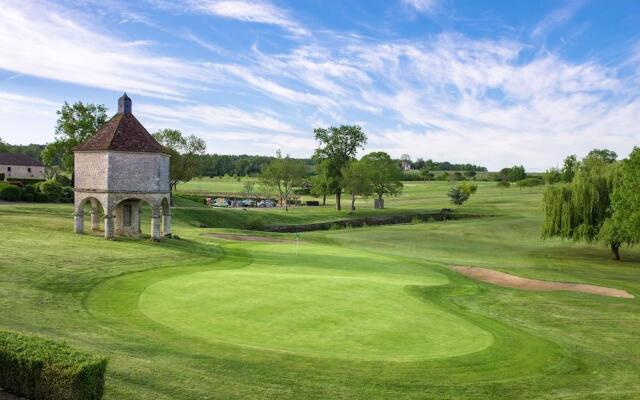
[[123, 132]]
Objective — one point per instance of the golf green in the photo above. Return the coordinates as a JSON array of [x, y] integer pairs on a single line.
[[359, 312]]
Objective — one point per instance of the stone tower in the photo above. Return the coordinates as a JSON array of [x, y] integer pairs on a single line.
[[116, 171]]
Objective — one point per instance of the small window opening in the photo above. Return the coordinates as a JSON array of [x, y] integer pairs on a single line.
[[126, 211], [28, 169]]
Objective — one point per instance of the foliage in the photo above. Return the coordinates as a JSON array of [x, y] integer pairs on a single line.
[[52, 190], [357, 180], [283, 174], [321, 182], [503, 185], [515, 173], [255, 223], [578, 210], [248, 187], [76, 123], [606, 155], [32, 150], [431, 165], [569, 168], [426, 174], [338, 146], [10, 192], [384, 174], [459, 194], [184, 151], [552, 176], [43, 369], [529, 182], [624, 225]]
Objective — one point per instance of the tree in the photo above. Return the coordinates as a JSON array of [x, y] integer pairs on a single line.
[[76, 123], [247, 188], [569, 168], [426, 174], [624, 225], [516, 173], [552, 175], [4, 148], [503, 185], [529, 182], [283, 174], [338, 146], [184, 151], [579, 210], [384, 173], [606, 155], [356, 179], [321, 182], [458, 194], [470, 174]]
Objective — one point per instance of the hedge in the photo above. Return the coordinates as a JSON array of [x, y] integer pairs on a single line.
[[41, 369]]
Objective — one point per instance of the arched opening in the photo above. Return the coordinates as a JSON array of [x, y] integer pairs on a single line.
[[128, 216], [92, 207]]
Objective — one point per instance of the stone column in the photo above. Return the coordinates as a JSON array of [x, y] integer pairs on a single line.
[[108, 226], [166, 224], [155, 227], [95, 220], [78, 220]]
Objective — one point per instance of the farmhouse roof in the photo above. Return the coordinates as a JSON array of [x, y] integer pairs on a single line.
[[123, 132], [19, 159]]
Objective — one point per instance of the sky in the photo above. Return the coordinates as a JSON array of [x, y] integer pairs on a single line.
[[494, 83]]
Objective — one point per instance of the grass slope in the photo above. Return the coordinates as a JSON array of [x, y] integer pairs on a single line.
[[361, 313]]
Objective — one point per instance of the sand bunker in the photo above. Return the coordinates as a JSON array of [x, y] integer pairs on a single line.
[[512, 281], [245, 238]]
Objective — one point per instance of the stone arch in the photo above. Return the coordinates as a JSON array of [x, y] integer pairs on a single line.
[[97, 206], [127, 215]]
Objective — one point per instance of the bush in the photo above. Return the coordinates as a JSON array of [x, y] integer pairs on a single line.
[[24, 182], [38, 368], [10, 192], [312, 203], [67, 194], [459, 194], [29, 193], [2, 177], [63, 180], [254, 223], [52, 189]]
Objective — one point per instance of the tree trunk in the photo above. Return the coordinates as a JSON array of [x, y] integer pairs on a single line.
[[324, 199], [286, 205], [338, 193], [615, 251], [353, 203]]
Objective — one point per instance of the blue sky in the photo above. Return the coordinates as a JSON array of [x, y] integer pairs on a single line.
[[495, 83]]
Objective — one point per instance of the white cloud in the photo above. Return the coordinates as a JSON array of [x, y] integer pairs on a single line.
[[422, 5], [250, 11], [44, 41], [557, 17], [23, 118]]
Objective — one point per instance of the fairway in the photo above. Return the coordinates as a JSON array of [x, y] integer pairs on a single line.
[[374, 312]]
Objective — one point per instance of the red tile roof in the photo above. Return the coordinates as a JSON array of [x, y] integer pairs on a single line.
[[123, 132], [19, 159]]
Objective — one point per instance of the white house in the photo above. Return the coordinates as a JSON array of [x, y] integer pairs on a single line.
[[19, 166]]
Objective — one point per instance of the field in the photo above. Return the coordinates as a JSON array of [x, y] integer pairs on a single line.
[[365, 313]]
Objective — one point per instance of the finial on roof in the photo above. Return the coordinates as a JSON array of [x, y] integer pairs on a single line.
[[124, 104]]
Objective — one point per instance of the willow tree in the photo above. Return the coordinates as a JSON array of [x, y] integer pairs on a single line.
[[579, 210]]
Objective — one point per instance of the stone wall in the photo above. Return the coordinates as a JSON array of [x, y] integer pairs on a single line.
[[90, 170], [22, 172], [138, 172]]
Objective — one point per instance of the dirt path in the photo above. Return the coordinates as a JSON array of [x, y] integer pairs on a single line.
[[512, 281], [245, 238]]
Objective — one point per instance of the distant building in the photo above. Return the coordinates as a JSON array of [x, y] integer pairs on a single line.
[[117, 170], [406, 165], [20, 166]]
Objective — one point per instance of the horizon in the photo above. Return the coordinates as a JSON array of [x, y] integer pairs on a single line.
[[493, 85]]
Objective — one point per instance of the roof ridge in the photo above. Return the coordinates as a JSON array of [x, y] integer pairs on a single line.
[[115, 131]]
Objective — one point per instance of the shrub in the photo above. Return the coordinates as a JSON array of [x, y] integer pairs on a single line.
[[1, 177], [312, 203], [52, 189], [10, 193], [458, 195], [63, 180], [29, 193], [254, 223], [38, 368], [25, 181], [67, 194]]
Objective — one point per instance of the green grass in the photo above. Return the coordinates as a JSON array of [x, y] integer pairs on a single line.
[[356, 313]]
